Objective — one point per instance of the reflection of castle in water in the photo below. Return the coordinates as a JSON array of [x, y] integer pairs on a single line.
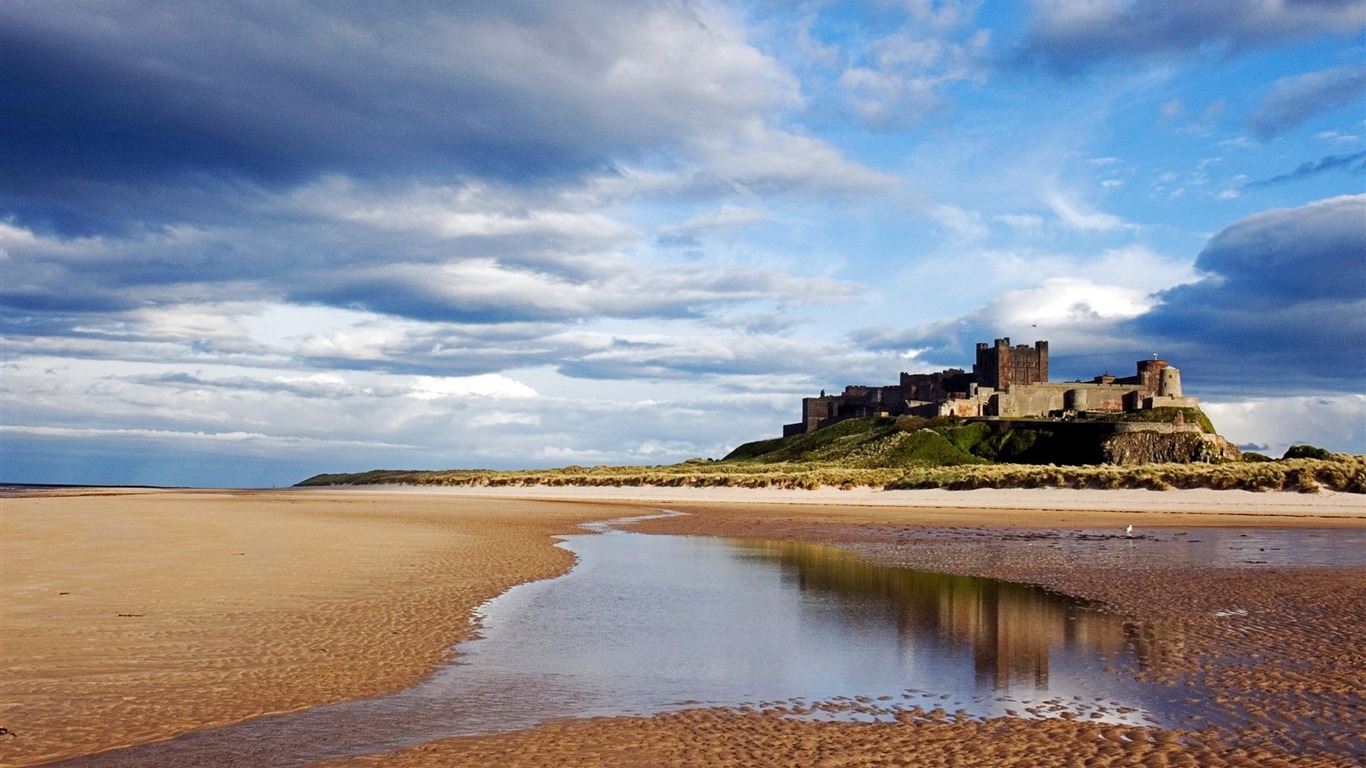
[[1010, 628]]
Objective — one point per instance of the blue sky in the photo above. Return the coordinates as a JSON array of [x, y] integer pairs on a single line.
[[242, 243]]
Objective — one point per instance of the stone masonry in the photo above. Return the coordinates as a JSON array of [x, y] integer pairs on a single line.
[[1005, 382]]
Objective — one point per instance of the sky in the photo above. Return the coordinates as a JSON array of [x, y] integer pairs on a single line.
[[244, 242]]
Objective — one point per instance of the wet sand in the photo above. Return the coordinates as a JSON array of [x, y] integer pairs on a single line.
[[701, 738], [189, 609], [130, 616], [1279, 648]]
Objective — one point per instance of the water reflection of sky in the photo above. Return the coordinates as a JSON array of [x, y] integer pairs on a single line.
[[1203, 547], [649, 623], [659, 620]]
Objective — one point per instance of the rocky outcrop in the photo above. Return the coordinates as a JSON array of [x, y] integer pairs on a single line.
[[1153, 447]]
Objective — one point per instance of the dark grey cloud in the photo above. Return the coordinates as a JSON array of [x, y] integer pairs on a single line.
[[491, 259], [1071, 35], [1281, 306], [1294, 100], [490, 292], [137, 96], [1354, 163], [299, 387], [446, 162]]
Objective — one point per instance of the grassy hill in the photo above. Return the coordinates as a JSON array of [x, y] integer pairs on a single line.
[[908, 453], [862, 443], [909, 441]]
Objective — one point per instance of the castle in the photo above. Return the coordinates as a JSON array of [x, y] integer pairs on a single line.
[[1005, 382]]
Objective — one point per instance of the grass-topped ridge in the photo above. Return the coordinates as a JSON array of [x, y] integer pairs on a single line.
[[902, 453], [1159, 415], [1343, 472]]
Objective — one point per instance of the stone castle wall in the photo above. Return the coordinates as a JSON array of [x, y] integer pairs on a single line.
[[1006, 382], [1001, 365]]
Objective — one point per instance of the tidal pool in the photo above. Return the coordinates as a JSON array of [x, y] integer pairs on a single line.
[[644, 624]]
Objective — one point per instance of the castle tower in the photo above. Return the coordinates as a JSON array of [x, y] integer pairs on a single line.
[[1170, 385], [1000, 365], [1150, 375]]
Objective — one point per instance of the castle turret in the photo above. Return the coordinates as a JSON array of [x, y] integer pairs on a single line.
[[1074, 400], [1000, 365], [1170, 385], [1150, 375]]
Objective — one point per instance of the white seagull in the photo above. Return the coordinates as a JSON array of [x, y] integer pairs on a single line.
[[1129, 530]]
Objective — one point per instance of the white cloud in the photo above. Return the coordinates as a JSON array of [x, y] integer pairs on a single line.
[[1024, 223], [1062, 300], [725, 217], [178, 436], [565, 454], [502, 418], [1337, 137], [491, 385], [349, 345], [286, 325], [895, 79], [188, 322], [12, 237], [471, 209], [434, 225], [962, 223], [758, 158], [1336, 422], [1079, 216]]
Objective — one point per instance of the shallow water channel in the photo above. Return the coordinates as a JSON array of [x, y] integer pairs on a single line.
[[648, 623]]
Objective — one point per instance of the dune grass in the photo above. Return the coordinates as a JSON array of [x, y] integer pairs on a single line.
[[907, 452], [1342, 472]]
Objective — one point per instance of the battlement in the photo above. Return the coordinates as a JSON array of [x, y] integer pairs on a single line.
[[1000, 365], [1006, 381]]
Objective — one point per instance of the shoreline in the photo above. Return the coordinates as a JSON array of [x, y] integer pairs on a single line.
[[1282, 507]]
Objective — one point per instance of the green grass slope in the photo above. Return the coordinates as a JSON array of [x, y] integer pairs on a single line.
[[909, 452], [861, 443]]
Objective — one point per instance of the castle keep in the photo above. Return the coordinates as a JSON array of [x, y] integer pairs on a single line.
[[1005, 382]]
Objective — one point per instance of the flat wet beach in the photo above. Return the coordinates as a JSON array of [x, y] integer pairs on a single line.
[[784, 627], [645, 624]]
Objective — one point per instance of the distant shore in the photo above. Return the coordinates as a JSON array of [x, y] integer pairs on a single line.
[[1330, 472], [1232, 506]]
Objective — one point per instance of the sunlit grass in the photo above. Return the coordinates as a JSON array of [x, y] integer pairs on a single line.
[[909, 452], [1342, 472]]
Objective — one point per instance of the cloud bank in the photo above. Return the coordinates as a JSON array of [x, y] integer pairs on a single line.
[[1071, 35], [244, 242], [1281, 303]]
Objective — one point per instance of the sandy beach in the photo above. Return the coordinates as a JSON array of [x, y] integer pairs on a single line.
[[130, 616]]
